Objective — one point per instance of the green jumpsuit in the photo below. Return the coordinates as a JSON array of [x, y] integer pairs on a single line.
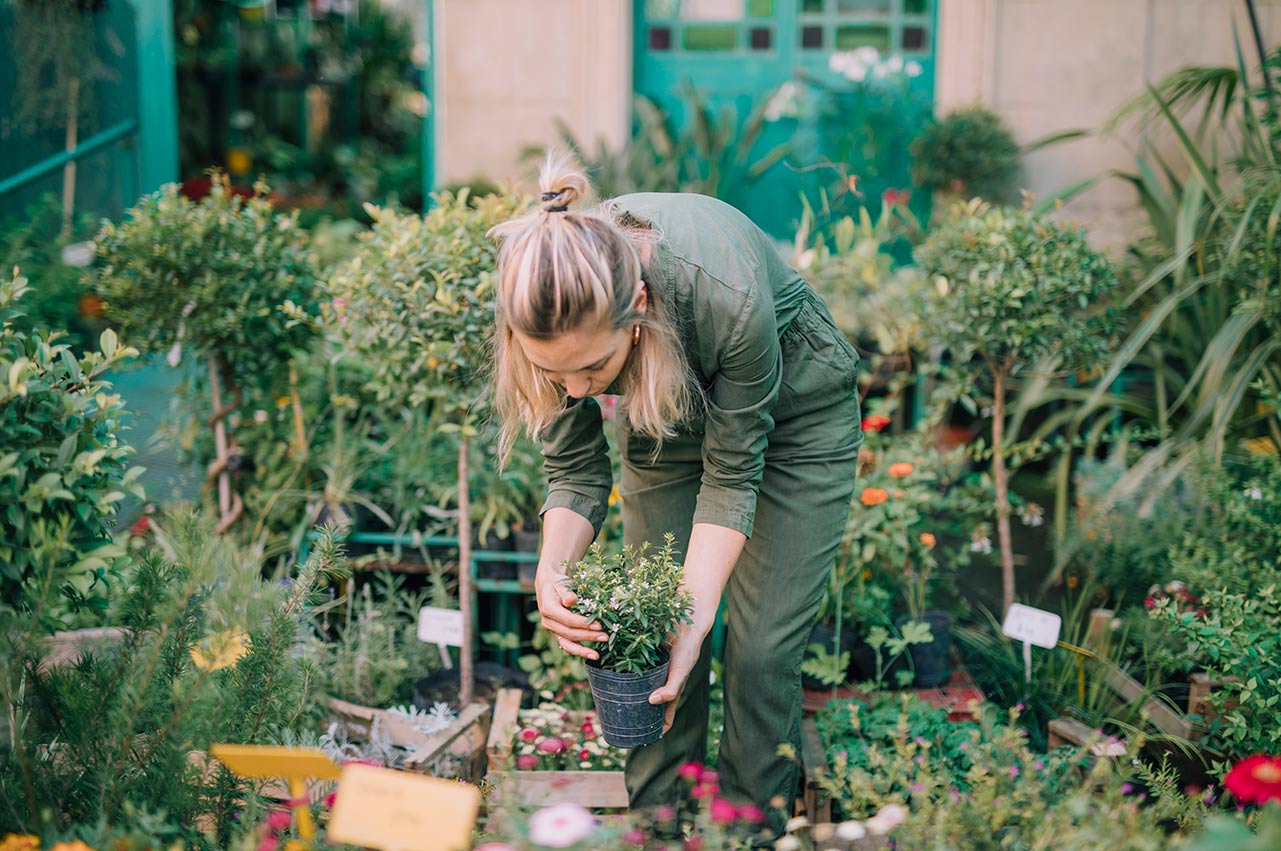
[[773, 456]]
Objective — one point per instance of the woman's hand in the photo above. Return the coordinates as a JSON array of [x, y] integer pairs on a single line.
[[554, 600], [685, 647]]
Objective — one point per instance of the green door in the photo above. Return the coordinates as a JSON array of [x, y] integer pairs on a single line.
[[864, 71]]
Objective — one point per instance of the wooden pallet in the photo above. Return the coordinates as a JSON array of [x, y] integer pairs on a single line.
[[959, 696], [591, 789]]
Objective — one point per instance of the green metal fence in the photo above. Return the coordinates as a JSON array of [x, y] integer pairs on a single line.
[[87, 107]]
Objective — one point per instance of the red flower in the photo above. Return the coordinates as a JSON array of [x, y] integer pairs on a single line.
[[330, 800], [141, 527], [526, 761], [1255, 779], [894, 197], [552, 745], [875, 422], [279, 820], [694, 843], [722, 811], [689, 771], [584, 755], [528, 734]]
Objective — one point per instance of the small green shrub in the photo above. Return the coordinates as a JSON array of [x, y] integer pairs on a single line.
[[63, 468], [637, 598], [968, 153], [205, 657]]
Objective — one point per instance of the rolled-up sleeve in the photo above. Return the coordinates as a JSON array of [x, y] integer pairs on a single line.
[[740, 405], [576, 460]]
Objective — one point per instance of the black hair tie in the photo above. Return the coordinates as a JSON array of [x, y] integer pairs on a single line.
[[552, 196]]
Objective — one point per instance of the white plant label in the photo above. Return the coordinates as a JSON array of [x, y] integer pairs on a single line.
[[1032, 626], [440, 626]]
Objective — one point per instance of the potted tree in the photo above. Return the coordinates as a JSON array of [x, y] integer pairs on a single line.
[[638, 598], [1015, 295]]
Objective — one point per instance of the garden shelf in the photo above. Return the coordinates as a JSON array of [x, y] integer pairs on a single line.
[[959, 696], [591, 789]]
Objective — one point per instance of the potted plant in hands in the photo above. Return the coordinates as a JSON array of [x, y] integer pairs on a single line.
[[638, 598]]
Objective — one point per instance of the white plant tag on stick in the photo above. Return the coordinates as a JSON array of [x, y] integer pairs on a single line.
[[1031, 626], [442, 627]]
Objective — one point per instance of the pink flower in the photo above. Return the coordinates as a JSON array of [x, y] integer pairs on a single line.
[[279, 820], [330, 799], [269, 843], [584, 755], [528, 734], [664, 813], [526, 761], [689, 771], [751, 814], [560, 826], [722, 811], [552, 745], [635, 836], [1014, 771], [494, 846], [694, 843], [588, 729], [708, 777]]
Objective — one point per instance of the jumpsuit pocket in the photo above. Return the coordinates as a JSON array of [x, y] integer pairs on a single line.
[[819, 364]]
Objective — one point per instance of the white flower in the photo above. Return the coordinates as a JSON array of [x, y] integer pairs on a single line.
[[1254, 493], [787, 843], [856, 74], [850, 831], [868, 55], [796, 823], [1108, 748], [560, 826], [1174, 586], [175, 354], [892, 814], [894, 64], [260, 416], [981, 545], [877, 827], [913, 68]]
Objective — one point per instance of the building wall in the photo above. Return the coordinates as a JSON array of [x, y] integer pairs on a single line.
[[509, 68], [1053, 65]]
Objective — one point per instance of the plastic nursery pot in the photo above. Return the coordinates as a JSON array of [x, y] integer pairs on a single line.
[[933, 661], [627, 718]]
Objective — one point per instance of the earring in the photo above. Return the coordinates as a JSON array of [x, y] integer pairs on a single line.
[[635, 336]]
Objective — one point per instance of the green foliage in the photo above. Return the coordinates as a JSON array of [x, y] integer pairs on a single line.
[[968, 153], [555, 675], [118, 729], [984, 788], [1239, 636], [60, 298], [63, 467], [638, 599], [712, 153], [415, 307], [1011, 287], [214, 275], [374, 657], [1226, 833], [851, 728]]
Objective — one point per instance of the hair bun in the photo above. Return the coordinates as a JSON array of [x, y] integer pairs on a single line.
[[561, 182]]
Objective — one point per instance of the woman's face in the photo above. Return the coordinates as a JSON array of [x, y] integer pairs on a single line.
[[584, 361]]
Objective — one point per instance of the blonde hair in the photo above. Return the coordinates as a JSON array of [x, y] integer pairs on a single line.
[[560, 270]]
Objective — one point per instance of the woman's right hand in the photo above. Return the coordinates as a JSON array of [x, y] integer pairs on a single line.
[[554, 602]]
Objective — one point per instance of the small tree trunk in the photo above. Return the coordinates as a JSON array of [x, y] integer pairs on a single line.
[[1001, 482], [464, 575], [69, 170], [220, 441]]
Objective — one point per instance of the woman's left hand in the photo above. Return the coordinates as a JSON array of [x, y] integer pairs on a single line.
[[685, 647]]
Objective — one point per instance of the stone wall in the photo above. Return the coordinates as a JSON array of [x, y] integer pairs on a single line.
[[1053, 65]]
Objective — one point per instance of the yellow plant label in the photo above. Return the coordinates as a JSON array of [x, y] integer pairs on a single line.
[[277, 761], [398, 811]]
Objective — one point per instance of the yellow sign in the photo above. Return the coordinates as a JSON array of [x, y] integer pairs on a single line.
[[398, 811], [294, 764]]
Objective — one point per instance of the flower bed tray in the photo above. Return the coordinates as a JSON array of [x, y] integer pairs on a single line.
[[959, 696], [461, 743], [591, 789]]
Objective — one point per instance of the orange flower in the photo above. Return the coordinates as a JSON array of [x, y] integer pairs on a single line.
[[20, 842], [899, 494], [928, 540], [873, 496], [875, 422], [901, 470], [77, 845]]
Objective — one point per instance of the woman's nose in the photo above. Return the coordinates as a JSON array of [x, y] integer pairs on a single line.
[[577, 386]]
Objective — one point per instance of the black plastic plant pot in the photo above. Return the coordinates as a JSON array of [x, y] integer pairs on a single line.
[[933, 661], [627, 718]]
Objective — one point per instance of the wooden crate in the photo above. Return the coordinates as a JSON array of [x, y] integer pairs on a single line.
[[462, 741], [1200, 687], [592, 789]]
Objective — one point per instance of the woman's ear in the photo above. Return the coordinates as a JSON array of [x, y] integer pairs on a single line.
[[641, 304]]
